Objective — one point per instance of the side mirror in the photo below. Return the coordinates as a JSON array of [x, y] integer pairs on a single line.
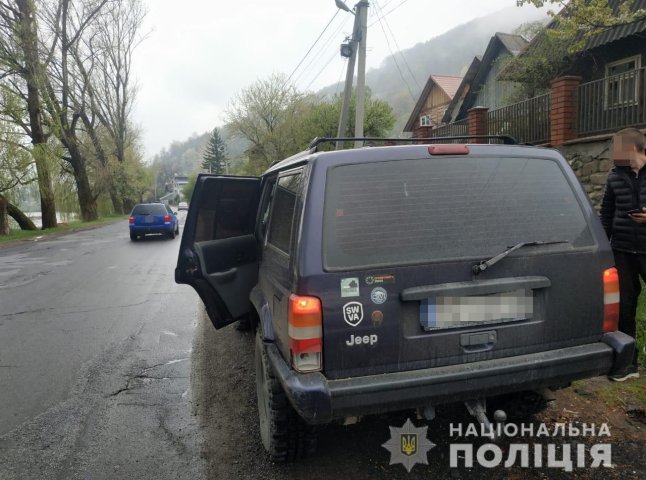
[[174, 213]]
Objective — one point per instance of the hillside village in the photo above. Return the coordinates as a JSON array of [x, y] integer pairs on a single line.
[[600, 89]]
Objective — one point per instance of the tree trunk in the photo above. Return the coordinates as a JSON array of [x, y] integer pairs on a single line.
[[87, 202], [23, 220], [47, 201], [103, 160], [29, 41], [4, 219]]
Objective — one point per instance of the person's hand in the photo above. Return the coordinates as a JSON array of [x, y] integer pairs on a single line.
[[638, 217]]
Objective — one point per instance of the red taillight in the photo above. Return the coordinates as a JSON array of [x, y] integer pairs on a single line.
[[132, 220], [167, 218], [610, 300], [448, 149], [305, 330]]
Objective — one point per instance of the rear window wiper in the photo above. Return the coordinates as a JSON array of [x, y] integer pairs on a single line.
[[484, 264]]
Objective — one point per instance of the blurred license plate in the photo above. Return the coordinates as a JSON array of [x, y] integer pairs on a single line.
[[451, 312], [149, 219]]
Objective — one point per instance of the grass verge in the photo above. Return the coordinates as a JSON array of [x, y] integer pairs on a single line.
[[61, 228]]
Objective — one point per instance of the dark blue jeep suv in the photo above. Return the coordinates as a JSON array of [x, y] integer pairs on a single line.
[[408, 276]]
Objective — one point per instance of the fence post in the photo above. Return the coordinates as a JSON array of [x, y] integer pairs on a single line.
[[563, 110], [478, 122]]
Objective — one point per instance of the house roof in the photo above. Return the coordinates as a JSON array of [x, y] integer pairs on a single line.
[[603, 38], [513, 43], [447, 83], [499, 44], [620, 31], [463, 89]]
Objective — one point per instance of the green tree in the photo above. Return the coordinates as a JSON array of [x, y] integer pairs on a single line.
[[214, 159], [555, 46], [263, 114], [578, 20], [278, 121], [322, 120], [187, 190]]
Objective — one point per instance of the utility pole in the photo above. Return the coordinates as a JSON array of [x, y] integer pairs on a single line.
[[357, 42], [362, 13]]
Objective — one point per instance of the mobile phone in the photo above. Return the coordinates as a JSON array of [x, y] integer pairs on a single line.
[[635, 210]]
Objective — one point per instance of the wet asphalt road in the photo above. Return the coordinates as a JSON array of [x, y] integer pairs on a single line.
[[95, 347]]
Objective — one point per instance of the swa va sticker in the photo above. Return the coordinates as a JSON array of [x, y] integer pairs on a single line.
[[353, 313]]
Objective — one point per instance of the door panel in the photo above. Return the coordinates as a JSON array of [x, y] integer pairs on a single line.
[[219, 252], [231, 268]]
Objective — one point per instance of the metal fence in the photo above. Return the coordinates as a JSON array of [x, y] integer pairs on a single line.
[[612, 103], [455, 129], [527, 121]]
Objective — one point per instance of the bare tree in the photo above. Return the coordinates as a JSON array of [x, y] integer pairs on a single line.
[[23, 74], [66, 21], [110, 90]]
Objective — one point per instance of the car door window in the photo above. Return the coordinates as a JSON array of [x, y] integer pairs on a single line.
[[226, 212], [286, 194]]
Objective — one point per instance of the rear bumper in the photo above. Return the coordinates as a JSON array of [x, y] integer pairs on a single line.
[[319, 400], [145, 229]]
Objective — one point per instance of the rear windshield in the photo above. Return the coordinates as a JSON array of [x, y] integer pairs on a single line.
[[425, 210], [152, 209]]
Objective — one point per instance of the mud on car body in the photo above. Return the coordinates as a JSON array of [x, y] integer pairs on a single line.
[[407, 276]]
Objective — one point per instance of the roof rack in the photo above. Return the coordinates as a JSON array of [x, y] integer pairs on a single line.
[[506, 139]]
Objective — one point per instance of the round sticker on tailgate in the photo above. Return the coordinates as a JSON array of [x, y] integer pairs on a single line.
[[378, 295]]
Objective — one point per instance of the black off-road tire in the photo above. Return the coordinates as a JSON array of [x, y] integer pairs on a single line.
[[285, 436]]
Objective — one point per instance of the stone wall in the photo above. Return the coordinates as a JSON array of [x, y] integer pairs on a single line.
[[591, 163]]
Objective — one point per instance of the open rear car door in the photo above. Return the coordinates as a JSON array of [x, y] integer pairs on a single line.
[[219, 252]]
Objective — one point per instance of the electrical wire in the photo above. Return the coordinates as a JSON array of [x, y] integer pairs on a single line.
[[399, 50], [321, 50], [401, 74], [373, 13], [344, 66], [321, 71], [310, 49], [391, 11]]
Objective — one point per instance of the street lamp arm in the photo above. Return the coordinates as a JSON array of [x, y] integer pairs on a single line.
[[341, 5]]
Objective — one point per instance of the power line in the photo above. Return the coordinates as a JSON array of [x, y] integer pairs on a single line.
[[401, 74], [321, 50], [310, 49], [343, 67], [321, 71], [400, 51], [391, 11], [374, 12]]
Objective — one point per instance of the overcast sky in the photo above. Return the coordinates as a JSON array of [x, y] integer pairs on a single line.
[[199, 53]]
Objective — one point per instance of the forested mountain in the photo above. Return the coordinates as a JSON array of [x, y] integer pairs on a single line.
[[447, 54], [184, 158]]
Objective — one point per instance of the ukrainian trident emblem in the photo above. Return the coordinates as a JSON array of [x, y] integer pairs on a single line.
[[409, 443]]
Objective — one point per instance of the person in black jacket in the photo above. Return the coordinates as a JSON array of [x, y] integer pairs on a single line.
[[625, 192]]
